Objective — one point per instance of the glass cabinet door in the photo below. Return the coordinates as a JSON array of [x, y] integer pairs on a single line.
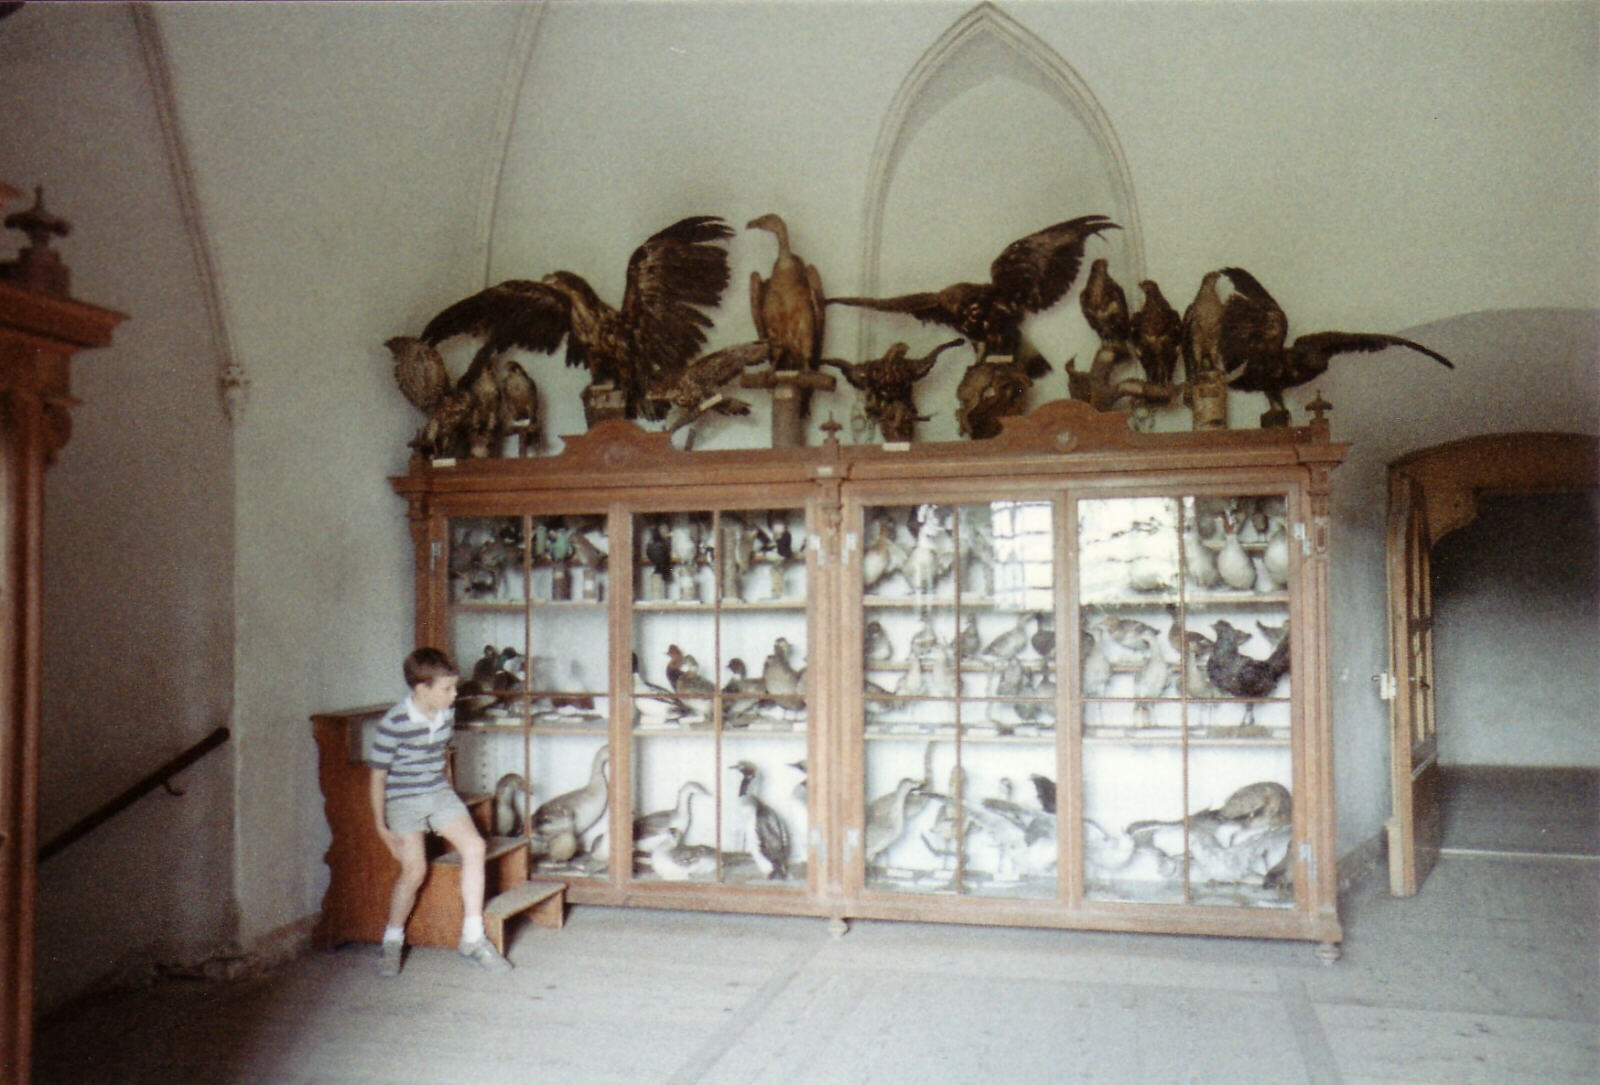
[[719, 717], [529, 631], [1185, 693], [959, 698]]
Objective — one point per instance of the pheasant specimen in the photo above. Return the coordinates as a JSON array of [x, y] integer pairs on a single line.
[[1253, 330], [673, 278], [1029, 276]]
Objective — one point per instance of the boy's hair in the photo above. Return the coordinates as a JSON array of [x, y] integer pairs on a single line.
[[425, 664]]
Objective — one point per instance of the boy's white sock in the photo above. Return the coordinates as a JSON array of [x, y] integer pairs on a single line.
[[394, 934], [472, 928]]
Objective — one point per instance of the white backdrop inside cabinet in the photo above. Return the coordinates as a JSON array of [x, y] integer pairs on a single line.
[[1186, 712], [719, 720]]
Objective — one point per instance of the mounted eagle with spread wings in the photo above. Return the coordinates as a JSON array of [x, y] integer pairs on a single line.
[[673, 279]]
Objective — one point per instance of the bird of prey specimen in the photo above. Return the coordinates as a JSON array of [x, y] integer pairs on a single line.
[[673, 278], [990, 391], [1104, 305], [787, 307], [693, 388], [888, 385], [1157, 335], [1029, 276], [1252, 343]]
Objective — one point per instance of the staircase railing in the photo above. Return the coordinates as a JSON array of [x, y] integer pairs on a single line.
[[161, 777]]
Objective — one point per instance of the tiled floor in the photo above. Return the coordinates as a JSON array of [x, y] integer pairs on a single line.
[[1490, 974]]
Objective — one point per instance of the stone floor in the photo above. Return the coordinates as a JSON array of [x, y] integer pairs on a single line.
[[1490, 974]]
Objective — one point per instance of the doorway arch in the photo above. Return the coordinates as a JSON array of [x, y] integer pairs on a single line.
[[1433, 492]]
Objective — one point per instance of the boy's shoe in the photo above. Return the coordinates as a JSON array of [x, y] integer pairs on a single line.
[[484, 955], [389, 954]]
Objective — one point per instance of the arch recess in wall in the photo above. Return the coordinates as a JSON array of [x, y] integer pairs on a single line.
[[990, 136]]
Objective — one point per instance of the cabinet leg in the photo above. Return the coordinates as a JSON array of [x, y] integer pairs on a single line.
[[1329, 952], [838, 926]]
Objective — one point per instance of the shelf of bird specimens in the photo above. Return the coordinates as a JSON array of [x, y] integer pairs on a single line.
[[943, 819], [730, 560], [760, 795], [510, 562]]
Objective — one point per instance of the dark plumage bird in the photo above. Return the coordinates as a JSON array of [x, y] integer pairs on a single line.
[[990, 391], [1253, 332], [1104, 305], [767, 837], [693, 389], [1029, 276], [888, 385], [1239, 675], [1157, 335], [673, 278], [1045, 788]]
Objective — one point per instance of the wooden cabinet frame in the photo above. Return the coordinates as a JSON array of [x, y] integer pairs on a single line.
[[1063, 449]]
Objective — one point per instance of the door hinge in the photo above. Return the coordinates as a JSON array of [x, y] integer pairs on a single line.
[[814, 541], [1308, 855], [850, 541], [852, 840], [1388, 686], [1305, 539], [819, 845], [435, 550]]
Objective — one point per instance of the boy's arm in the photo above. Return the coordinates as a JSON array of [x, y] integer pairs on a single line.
[[375, 789]]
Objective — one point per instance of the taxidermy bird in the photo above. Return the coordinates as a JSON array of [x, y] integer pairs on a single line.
[[1096, 666], [510, 804], [1202, 330], [888, 385], [787, 307], [1105, 306], [678, 817], [886, 819], [693, 389], [799, 792], [1253, 332], [1011, 642], [990, 391], [676, 861], [1029, 276], [1045, 789], [1233, 564], [673, 279], [742, 695], [1238, 675], [878, 648], [766, 835], [968, 642], [942, 834], [493, 398], [883, 554], [559, 823], [778, 676], [1157, 335]]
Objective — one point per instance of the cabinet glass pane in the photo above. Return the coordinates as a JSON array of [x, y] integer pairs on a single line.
[[571, 774], [959, 697], [1184, 672], [719, 695]]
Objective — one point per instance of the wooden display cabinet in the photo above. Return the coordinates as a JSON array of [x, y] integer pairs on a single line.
[[947, 682]]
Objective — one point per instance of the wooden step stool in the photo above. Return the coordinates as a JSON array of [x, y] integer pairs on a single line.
[[546, 903]]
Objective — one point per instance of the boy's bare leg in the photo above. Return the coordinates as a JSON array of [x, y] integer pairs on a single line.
[[463, 836], [413, 869]]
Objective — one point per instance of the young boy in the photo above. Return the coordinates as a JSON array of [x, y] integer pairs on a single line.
[[412, 793]]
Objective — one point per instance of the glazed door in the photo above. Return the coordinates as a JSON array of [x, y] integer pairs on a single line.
[[1416, 825]]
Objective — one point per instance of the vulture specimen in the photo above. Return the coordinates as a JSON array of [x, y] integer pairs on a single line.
[[672, 279], [787, 307], [1029, 276], [1253, 329]]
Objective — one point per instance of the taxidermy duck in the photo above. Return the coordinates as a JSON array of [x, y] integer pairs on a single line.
[[649, 826], [766, 836], [1253, 331], [676, 861], [888, 385], [673, 279], [787, 306], [559, 823], [1029, 276]]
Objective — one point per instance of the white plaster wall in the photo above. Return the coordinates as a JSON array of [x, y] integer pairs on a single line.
[[138, 569], [1516, 607], [1379, 166]]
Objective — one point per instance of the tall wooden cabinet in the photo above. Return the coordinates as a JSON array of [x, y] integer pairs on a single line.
[[39, 334], [1074, 676]]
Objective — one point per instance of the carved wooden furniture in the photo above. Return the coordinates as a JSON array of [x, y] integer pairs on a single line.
[[362, 871], [854, 681], [39, 333]]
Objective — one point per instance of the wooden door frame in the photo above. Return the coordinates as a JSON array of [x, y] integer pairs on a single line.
[[1449, 480]]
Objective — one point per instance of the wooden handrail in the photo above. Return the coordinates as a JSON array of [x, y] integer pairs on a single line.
[[112, 807]]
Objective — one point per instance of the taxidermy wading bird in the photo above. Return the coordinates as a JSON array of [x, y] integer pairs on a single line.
[[495, 397], [673, 278], [1252, 334], [788, 307], [888, 385]]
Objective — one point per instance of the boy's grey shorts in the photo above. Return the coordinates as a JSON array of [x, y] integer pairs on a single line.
[[416, 813]]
